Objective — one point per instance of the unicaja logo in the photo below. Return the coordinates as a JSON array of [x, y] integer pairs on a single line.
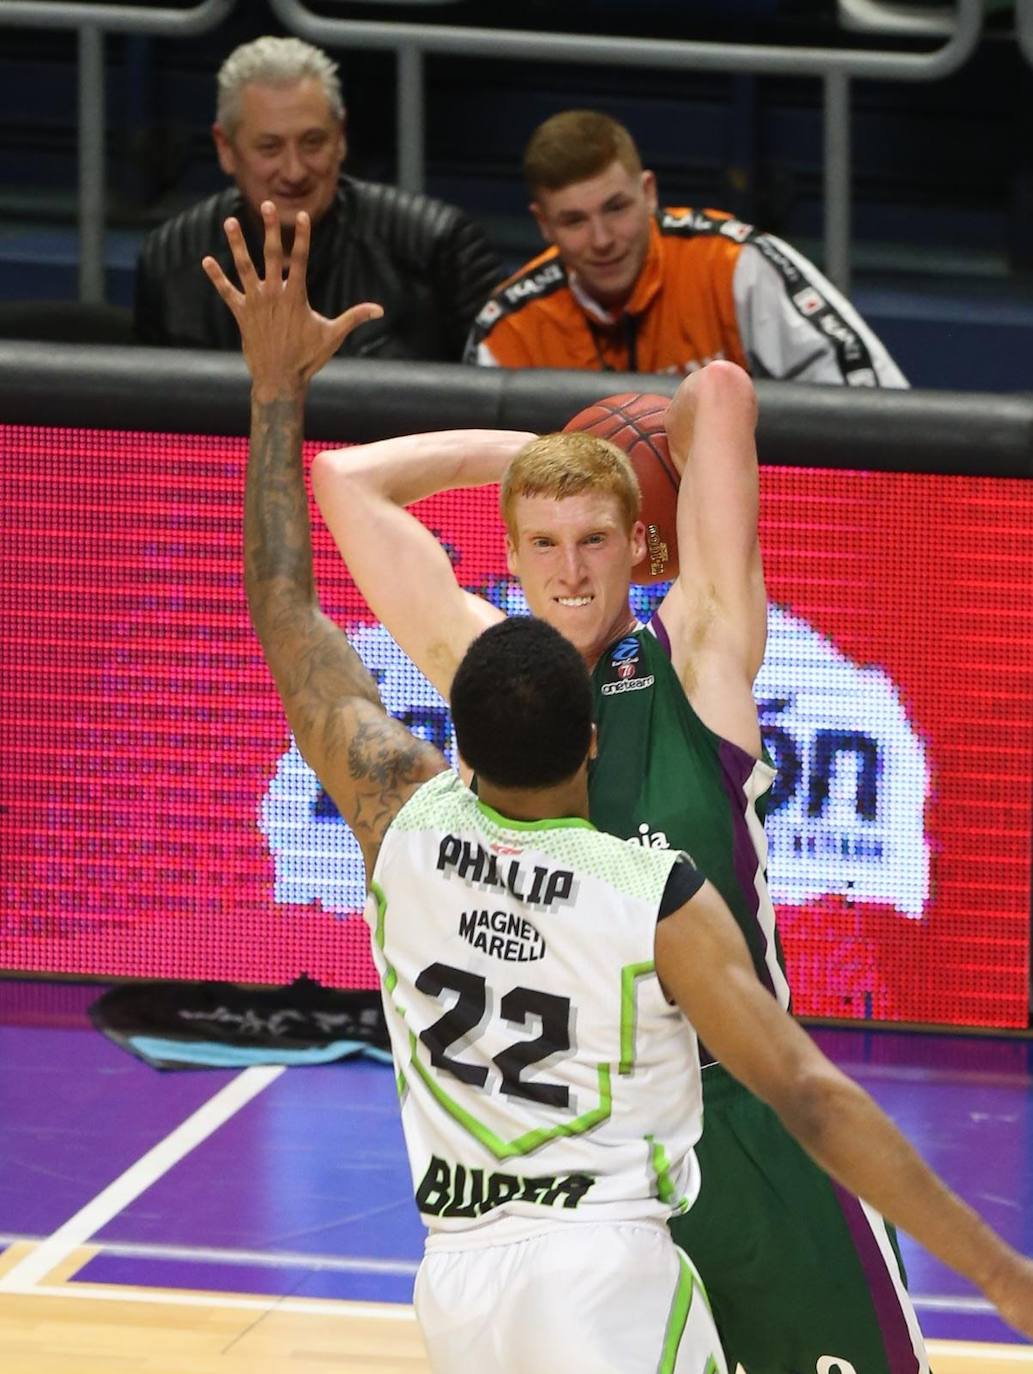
[[846, 812]]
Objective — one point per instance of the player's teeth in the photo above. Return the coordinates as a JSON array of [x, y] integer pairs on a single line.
[[574, 600]]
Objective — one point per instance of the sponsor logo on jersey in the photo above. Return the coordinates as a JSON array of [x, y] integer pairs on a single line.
[[861, 376], [649, 839], [450, 1190], [631, 684], [624, 659], [839, 330], [735, 229], [846, 812], [626, 651], [808, 301], [694, 220], [535, 283], [777, 258], [472, 864], [502, 935], [490, 313]]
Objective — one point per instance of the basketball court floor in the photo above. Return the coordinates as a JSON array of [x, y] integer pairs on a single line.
[[212, 1221]]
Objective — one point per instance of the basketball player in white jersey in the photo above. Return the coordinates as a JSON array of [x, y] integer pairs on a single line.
[[543, 983]]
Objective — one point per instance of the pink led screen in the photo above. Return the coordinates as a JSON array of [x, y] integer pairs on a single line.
[[156, 822]]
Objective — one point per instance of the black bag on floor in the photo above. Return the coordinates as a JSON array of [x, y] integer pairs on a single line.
[[174, 1025]]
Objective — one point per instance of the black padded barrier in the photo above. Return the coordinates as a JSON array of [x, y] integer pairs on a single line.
[[92, 386]]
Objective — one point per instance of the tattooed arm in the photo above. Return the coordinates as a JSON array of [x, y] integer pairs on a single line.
[[368, 762]]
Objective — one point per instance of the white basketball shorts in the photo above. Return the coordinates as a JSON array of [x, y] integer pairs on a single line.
[[580, 1298]]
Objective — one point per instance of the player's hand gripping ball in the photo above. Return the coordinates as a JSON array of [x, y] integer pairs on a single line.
[[634, 422]]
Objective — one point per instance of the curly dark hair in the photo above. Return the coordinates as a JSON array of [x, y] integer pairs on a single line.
[[522, 705]]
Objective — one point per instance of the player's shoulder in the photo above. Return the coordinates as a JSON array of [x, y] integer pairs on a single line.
[[538, 280], [442, 802], [682, 223], [629, 868], [445, 805]]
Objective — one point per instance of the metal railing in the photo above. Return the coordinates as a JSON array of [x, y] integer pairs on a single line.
[[412, 41], [836, 67], [92, 22]]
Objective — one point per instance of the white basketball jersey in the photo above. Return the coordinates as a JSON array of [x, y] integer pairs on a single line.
[[541, 1070]]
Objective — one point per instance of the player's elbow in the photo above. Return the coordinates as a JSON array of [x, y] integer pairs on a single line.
[[808, 1102], [340, 485], [726, 384], [331, 469]]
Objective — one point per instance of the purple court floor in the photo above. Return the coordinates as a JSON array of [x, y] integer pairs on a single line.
[[300, 1186]]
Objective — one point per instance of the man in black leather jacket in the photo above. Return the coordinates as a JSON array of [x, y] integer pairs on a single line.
[[280, 134]]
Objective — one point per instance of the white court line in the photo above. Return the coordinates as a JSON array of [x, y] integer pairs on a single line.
[[933, 1302], [400, 1268], [269, 1259], [139, 1177], [312, 1307]]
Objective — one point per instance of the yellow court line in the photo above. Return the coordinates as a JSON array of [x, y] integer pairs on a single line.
[[982, 1350], [14, 1254], [175, 1297], [69, 1266], [401, 1312]]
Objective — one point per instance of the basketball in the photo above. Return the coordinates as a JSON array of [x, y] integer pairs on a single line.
[[634, 422]]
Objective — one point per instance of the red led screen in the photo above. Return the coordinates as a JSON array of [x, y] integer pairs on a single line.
[[156, 821]]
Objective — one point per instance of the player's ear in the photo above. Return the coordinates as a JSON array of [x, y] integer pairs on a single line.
[[511, 556], [541, 220], [593, 748], [649, 191], [638, 542], [343, 136], [224, 150]]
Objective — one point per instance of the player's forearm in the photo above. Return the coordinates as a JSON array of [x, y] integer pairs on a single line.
[[854, 1141], [413, 466], [314, 666], [277, 540]]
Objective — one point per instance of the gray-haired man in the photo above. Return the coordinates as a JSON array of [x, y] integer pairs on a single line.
[[280, 133]]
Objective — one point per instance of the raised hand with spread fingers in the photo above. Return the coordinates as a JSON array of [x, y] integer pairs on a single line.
[[285, 341]]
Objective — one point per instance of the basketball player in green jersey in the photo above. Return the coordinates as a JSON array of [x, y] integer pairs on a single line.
[[802, 1277]]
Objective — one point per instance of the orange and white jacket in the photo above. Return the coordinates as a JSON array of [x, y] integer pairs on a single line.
[[710, 287]]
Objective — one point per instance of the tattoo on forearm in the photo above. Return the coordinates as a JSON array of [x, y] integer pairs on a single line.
[[316, 670], [278, 544]]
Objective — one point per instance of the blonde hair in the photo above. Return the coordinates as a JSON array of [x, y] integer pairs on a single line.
[[277, 62], [562, 465], [575, 145]]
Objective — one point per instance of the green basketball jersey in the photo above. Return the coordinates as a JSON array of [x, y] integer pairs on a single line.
[[664, 780]]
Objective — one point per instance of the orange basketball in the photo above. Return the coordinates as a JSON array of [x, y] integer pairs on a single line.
[[634, 422]]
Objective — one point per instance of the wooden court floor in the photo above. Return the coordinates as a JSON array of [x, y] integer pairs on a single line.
[[248, 1222], [54, 1328]]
